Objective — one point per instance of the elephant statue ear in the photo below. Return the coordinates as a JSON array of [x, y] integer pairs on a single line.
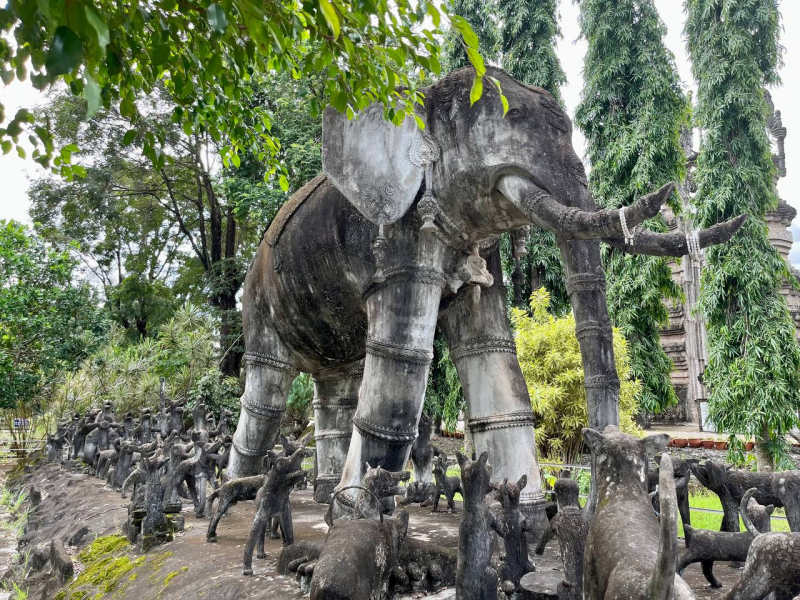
[[378, 166]]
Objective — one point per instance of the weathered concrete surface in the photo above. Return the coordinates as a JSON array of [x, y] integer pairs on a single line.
[[214, 570]]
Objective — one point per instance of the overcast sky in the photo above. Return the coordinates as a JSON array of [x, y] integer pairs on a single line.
[[14, 172]]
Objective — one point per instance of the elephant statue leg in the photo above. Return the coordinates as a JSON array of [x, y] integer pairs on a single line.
[[401, 314], [586, 286], [335, 401], [270, 372], [498, 405]]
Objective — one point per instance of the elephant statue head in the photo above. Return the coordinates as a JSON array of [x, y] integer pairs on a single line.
[[484, 173]]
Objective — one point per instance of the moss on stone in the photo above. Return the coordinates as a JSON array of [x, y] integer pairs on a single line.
[[101, 547], [106, 563], [173, 575], [157, 562]]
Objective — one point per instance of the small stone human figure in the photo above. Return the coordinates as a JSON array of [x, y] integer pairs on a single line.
[[448, 486]]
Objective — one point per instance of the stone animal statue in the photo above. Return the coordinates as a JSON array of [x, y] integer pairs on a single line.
[[781, 489], [706, 546], [200, 472], [517, 562], [358, 557], [377, 483], [475, 578], [420, 491], [682, 471], [447, 485], [629, 555], [231, 492], [571, 528], [246, 488], [408, 222], [772, 569], [272, 501]]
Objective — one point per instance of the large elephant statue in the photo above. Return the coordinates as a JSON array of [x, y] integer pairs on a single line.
[[401, 233]]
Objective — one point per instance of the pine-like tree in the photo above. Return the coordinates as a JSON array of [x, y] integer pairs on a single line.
[[631, 111], [479, 15], [754, 360], [528, 35]]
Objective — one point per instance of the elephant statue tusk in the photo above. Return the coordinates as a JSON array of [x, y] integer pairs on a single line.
[[676, 244], [573, 223]]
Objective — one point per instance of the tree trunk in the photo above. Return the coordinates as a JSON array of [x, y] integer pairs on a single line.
[[764, 462]]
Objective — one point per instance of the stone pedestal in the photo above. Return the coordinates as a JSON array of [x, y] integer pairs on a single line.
[[541, 585]]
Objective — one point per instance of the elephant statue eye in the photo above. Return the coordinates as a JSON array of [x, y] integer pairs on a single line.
[[517, 113]]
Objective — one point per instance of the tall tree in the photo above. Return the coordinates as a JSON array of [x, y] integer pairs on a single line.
[[112, 52], [754, 360], [529, 34], [479, 15], [47, 322], [188, 224], [631, 111], [528, 37]]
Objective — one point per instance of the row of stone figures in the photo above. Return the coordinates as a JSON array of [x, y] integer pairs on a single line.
[[158, 458], [628, 549]]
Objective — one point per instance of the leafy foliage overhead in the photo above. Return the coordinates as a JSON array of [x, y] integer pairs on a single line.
[[754, 360], [550, 358], [205, 53], [47, 322], [631, 113]]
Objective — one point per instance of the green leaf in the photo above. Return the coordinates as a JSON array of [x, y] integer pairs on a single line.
[[128, 138], [284, 183], [6, 145], [94, 98], [217, 18], [476, 91], [330, 16], [160, 54], [99, 26], [66, 51]]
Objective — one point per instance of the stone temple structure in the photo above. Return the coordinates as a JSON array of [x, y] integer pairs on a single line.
[[684, 338]]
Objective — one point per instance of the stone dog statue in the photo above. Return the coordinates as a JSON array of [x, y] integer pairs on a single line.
[[445, 485], [572, 528], [628, 554], [272, 501], [517, 562], [406, 226], [772, 569], [420, 490], [475, 578], [358, 557], [706, 546], [782, 489]]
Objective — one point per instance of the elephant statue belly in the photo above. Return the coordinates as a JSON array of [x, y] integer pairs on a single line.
[[401, 232]]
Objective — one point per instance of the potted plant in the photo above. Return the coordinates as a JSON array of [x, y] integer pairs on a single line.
[[680, 442], [708, 444], [695, 442], [721, 445]]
